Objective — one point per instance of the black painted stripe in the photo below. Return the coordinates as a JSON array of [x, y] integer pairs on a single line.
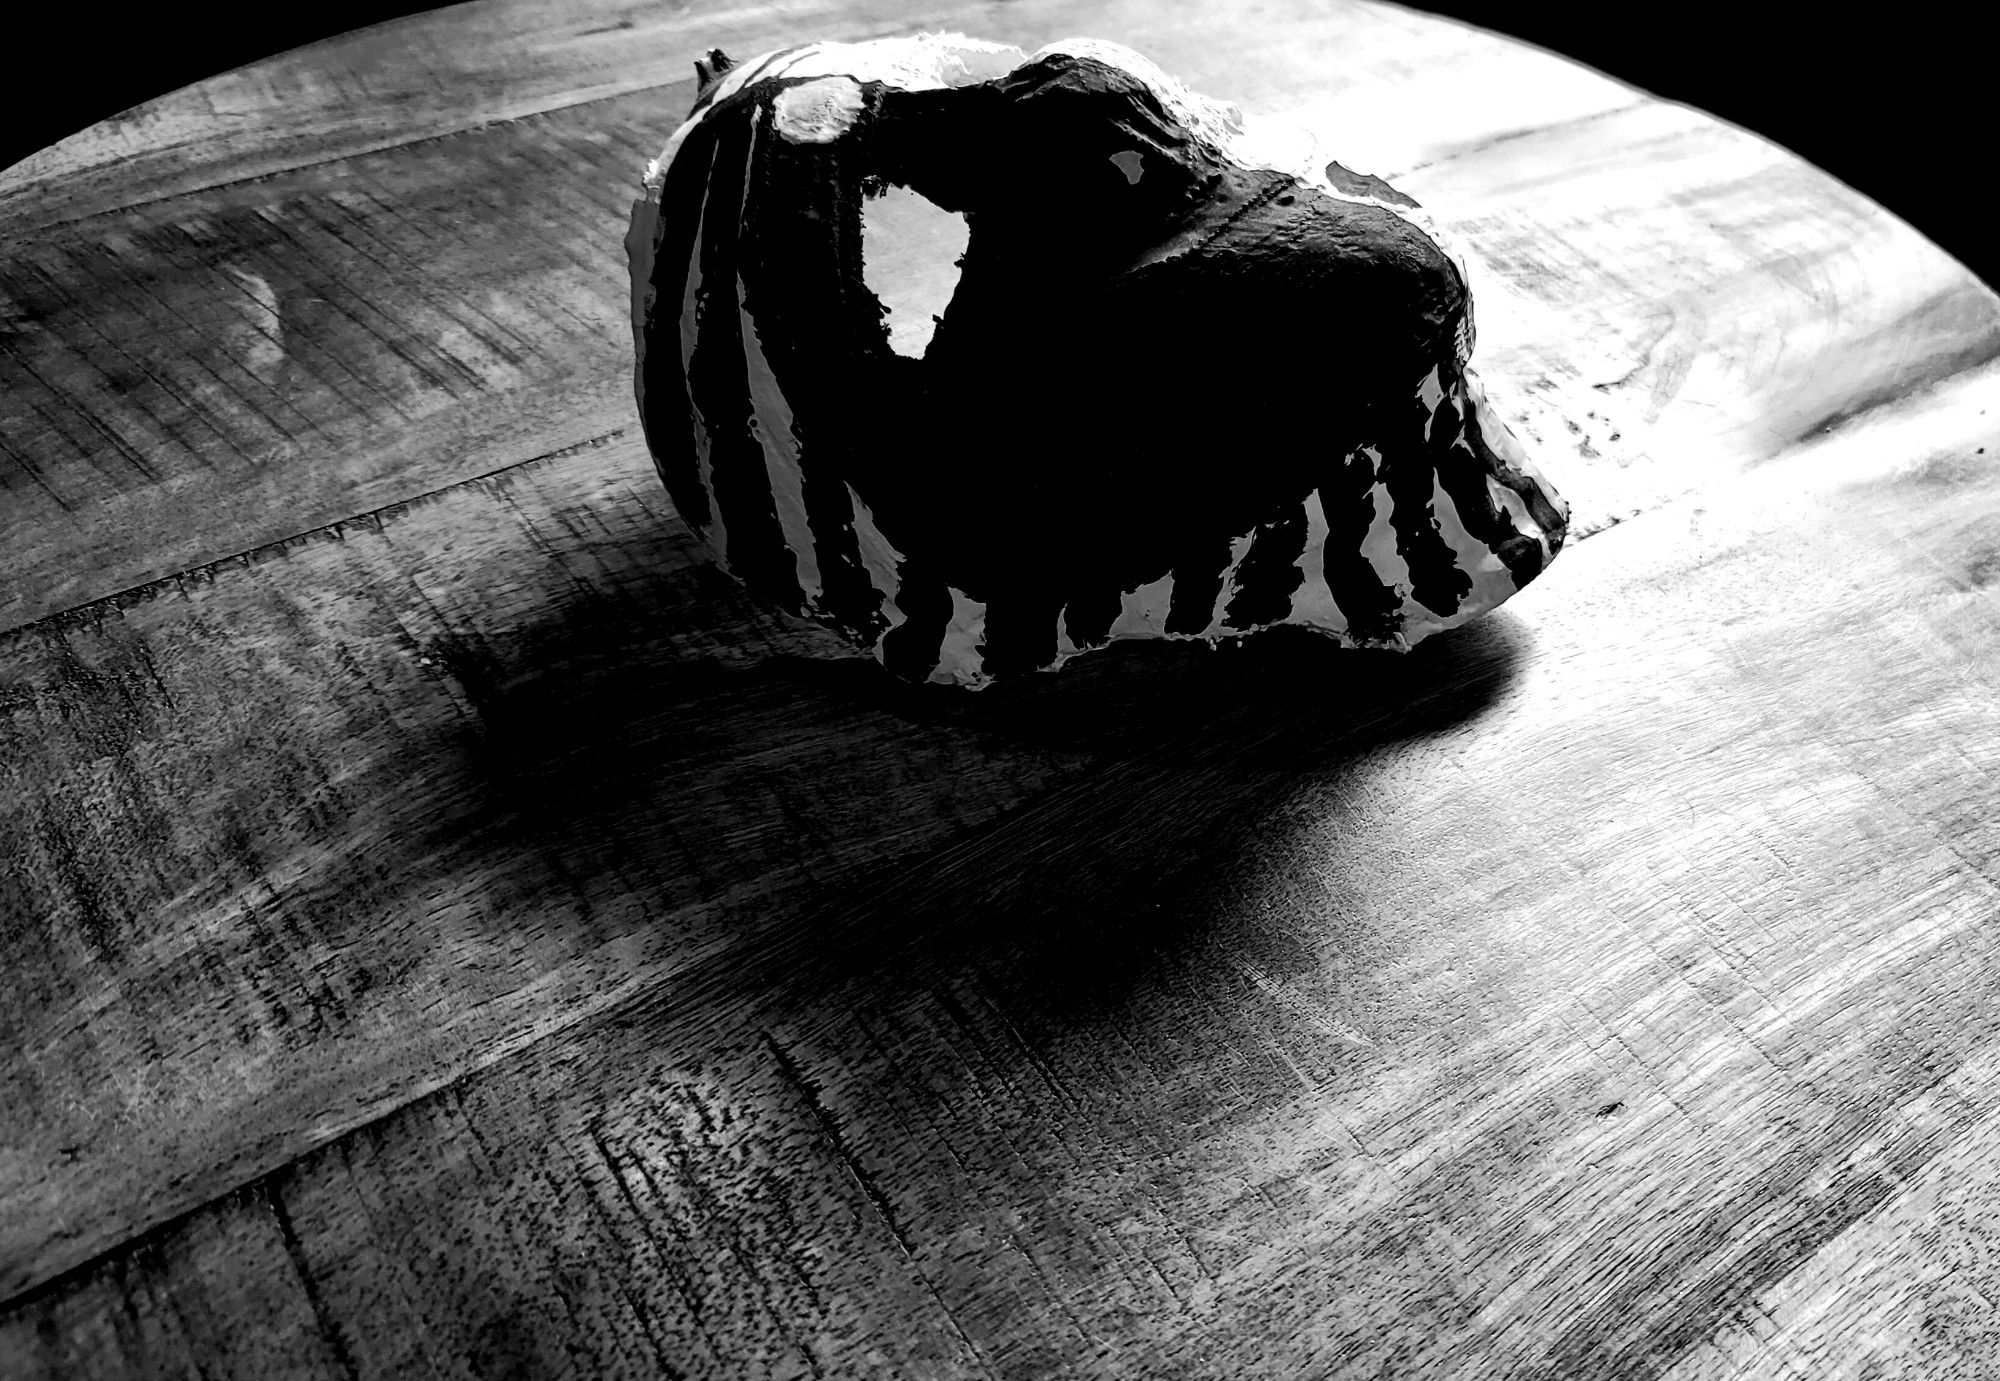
[[1269, 574], [1370, 607], [1198, 573], [911, 648], [718, 379], [797, 282], [665, 412], [1021, 627], [1090, 611], [1436, 582], [1462, 472], [848, 598]]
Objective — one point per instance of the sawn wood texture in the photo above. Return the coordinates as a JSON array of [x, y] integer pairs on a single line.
[[445, 929]]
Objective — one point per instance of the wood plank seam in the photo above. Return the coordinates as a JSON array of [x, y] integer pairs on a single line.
[[207, 570], [1956, 366]]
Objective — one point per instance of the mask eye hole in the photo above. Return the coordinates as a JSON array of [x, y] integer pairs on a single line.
[[910, 253]]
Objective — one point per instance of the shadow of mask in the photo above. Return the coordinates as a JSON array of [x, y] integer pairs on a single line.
[[867, 827]]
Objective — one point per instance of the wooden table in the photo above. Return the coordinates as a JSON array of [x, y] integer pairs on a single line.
[[450, 931]]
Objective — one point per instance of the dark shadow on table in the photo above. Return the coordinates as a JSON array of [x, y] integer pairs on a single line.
[[1212, 757], [615, 741], [1123, 911]]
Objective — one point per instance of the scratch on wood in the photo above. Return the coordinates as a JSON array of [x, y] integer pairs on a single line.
[[329, 1327], [371, 520], [830, 1130]]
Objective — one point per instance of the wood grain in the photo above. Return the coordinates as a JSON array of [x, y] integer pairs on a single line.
[[194, 384], [1271, 1050], [465, 66], [448, 929], [392, 818], [193, 377], [265, 352], [435, 73]]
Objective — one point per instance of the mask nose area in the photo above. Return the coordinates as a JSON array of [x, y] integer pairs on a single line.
[[1502, 455]]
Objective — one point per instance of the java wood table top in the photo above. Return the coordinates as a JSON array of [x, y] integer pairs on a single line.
[[449, 931]]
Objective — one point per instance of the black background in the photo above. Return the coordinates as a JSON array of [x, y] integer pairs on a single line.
[[1897, 101]]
